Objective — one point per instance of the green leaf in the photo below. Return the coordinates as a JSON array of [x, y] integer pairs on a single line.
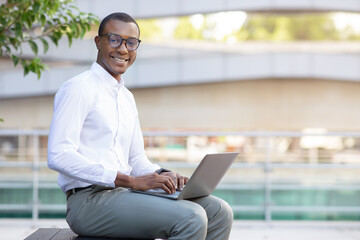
[[14, 42], [36, 7], [27, 19], [33, 46], [69, 38], [37, 71], [15, 59], [1, 120], [64, 28], [18, 30], [7, 49], [74, 7], [54, 39], [88, 27], [58, 34], [66, 19], [43, 19], [45, 3], [32, 67], [2, 38], [74, 29], [26, 70], [46, 45], [36, 60], [36, 66], [57, 20]]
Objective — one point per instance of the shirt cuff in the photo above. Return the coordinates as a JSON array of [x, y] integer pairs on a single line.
[[109, 177]]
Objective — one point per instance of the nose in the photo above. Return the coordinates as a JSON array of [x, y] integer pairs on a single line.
[[122, 48]]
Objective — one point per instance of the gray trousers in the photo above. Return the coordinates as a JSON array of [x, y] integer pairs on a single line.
[[120, 213]]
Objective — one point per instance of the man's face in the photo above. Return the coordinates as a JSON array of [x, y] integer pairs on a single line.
[[116, 60]]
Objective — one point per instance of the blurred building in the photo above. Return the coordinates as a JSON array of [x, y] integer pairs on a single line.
[[208, 86], [219, 90]]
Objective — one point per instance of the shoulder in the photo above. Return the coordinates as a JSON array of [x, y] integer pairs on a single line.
[[81, 83], [81, 87], [85, 80]]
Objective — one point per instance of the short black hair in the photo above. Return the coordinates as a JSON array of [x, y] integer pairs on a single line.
[[124, 17]]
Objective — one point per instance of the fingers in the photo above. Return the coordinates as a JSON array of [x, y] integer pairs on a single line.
[[167, 184], [151, 181], [181, 181], [173, 177], [175, 181]]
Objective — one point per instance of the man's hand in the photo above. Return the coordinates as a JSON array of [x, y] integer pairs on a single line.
[[177, 179], [154, 180], [146, 182]]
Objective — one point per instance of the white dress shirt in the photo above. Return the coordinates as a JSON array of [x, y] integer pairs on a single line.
[[95, 132]]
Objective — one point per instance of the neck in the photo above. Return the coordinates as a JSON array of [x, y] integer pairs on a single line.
[[116, 76]]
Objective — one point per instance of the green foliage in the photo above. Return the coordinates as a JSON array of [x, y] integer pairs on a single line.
[[311, 27], [185, 30], [36, 22], [270, 27], [149, 29]]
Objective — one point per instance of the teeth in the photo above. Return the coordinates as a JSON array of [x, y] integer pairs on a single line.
[[119, 59]]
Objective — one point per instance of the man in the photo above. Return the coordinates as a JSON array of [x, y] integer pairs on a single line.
[[96, 145]]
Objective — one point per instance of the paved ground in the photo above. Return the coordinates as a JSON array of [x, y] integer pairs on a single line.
[[295, 230], [11, 229]]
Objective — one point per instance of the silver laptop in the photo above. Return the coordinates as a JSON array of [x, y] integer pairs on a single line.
[[203, 181]]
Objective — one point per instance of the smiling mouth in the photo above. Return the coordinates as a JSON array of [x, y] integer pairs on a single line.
[[120, 60]]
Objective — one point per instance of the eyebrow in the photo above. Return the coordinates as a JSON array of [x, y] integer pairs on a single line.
[[120, 35]]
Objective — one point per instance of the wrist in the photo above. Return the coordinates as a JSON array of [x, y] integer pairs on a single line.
[[130, 182], [123, 180]]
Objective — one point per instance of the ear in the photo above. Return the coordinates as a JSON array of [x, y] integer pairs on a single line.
[[97, 42]]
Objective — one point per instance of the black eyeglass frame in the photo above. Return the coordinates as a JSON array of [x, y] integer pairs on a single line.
[[122, 40]]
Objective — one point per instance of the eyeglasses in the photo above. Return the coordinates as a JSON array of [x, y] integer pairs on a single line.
[[115, 41]]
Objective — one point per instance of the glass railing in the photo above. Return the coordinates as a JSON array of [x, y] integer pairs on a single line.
[[277, 175]]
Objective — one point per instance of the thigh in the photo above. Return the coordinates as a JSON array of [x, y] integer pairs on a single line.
[[219, 214], [213, 205], [122, 213]]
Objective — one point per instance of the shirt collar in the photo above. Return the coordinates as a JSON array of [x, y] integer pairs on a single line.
[[104, 75]]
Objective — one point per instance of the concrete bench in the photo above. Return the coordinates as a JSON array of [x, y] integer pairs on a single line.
[[64, 234]]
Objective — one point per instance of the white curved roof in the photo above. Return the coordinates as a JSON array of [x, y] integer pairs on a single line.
[[159, 8], [179, 63]]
